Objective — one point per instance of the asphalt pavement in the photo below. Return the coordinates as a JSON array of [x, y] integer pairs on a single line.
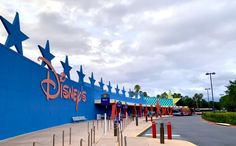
[[199, 131]]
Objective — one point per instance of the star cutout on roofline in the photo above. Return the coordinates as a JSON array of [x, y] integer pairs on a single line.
[[109, 87], [123, 91], [136, 94], [81, 75], [92, 80], [46, 53], [141, 95], [117, 89], [130, 93], [101, 84], [15, 36], [66, 67]]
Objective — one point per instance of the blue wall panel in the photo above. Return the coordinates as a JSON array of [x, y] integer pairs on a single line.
[[23, 105]]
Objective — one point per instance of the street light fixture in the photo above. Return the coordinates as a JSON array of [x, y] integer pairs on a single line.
[[210, 74], [207, 89]]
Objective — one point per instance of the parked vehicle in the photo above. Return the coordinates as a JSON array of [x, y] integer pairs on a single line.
[[182, 111], [177, 112], [186, 111]]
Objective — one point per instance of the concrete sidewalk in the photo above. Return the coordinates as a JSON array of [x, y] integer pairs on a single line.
[[45, 137], [80, 131]]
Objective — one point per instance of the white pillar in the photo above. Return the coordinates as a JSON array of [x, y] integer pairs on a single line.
[[105, 123]]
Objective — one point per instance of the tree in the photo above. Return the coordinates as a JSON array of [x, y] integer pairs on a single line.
[[158, 96], [204, 103], [177, 95], [189, 102], [164, 95], [145, 94], [229, 100], [185, 97], [231, 88], [227, 103], [137, 88], [137, 91], [180, 103], [197, 98], [194, 102]]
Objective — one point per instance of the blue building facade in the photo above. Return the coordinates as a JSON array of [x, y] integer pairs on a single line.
[[35, 97]]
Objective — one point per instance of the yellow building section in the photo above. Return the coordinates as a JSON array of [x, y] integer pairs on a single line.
[[175, 100]]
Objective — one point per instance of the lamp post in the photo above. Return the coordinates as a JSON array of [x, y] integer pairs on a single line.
[[207, 89], [210, 74]]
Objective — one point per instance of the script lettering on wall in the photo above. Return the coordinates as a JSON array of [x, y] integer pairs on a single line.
[[60, 89]]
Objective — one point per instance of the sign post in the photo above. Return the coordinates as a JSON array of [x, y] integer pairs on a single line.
[[105, 101], [118, 107]]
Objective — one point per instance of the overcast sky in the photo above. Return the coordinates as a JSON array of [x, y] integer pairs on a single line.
[[160, 45]]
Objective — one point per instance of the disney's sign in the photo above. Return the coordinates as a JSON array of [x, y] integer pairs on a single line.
[[58, 87]]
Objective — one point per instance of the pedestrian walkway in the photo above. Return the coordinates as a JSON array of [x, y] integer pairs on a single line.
[[45, 137], [76, 134]]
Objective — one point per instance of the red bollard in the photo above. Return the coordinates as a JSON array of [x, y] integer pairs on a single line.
[[154, 130], [169, 130]]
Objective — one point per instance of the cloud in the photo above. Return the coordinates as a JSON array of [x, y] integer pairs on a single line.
[[161, 45]]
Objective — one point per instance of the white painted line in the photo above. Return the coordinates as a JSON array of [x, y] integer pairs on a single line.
[[223, 124], [173, 135]]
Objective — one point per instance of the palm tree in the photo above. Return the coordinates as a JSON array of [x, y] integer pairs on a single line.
[[137, 88], [198, 98], [137, 91]]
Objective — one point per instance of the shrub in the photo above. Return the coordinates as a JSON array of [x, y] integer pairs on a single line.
[[220, 117]]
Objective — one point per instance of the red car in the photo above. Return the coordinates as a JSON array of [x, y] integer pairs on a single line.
[[183, 111]]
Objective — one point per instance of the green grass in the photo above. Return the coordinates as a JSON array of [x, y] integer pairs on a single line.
[[220, 117]]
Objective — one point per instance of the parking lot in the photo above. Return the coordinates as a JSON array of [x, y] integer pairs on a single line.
[[199, 131]]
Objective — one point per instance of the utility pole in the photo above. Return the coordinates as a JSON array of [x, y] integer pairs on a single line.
[[213, 104]]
